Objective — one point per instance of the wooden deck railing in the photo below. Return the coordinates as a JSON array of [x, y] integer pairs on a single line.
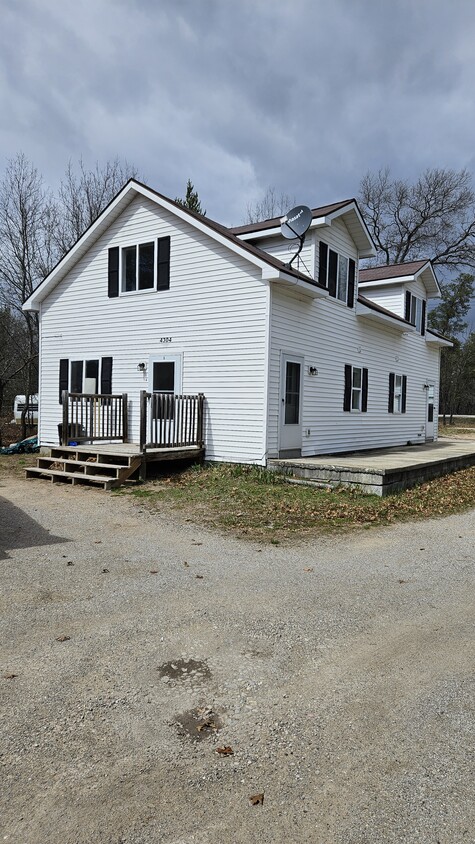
[[91, 417], [169, 421]]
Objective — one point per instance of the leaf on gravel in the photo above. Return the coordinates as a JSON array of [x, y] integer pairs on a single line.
[[309, 568], [256, 799], [199, 576], [105, 571], [9, 676], [402, 581], [187, 565], [225, 751], [98, 542], [70, 563], [153, 571], [206, 725], [193, 542], [63, 638]]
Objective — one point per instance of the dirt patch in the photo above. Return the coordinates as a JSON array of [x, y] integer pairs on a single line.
[[198, 724], [184, 669]]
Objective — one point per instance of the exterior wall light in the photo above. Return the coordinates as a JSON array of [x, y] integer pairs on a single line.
[[312, 370], [142, 367]]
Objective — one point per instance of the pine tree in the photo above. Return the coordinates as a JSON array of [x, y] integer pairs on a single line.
[[191, 200]]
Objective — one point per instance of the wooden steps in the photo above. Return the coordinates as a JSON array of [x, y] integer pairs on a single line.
[[81, 466]]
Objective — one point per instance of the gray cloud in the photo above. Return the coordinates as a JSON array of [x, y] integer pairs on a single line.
[[305, 96]]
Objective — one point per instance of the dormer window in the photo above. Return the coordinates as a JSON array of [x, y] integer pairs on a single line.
[[337, 273], [415, 312]]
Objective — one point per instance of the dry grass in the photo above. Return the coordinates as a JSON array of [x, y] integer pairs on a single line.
[[261, 505]]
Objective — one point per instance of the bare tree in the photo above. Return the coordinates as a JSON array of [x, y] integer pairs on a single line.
[[432, 218], [272, 204], [83, 195], [26, 253]]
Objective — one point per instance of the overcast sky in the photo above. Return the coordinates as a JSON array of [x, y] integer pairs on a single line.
[[239, 95]]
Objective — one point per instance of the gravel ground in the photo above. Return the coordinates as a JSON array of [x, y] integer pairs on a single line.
[[341, 674]]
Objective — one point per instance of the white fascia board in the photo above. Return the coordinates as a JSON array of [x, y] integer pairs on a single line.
[[370, 251], [305, 287], [437, 341], [380, 282], [368, 313]]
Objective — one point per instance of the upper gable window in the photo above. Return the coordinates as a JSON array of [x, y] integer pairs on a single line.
[[139, 267], [138, 264], [337, 273]]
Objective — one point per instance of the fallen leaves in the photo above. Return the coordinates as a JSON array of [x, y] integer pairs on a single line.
[[153, 571], [63, 638], [199, 576], [256, 799], [105, 571], [9, 676], [226, 750], [309, 568]]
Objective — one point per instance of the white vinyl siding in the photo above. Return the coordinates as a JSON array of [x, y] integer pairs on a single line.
[[216, 314], [310, 328]]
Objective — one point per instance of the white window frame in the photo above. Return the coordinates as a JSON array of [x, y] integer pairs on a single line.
[[136, 246], [397, 398], [415, 313], [356, 391]]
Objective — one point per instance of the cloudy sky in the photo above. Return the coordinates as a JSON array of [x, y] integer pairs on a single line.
[[239, 95]]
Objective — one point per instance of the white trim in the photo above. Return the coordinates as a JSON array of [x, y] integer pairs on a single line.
[[366, 312]]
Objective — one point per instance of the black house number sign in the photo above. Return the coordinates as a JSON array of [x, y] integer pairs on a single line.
[[165, 339]]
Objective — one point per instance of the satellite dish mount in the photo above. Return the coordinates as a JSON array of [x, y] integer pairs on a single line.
[[295, 225]]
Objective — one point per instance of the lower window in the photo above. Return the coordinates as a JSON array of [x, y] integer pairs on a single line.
[[356, 389]]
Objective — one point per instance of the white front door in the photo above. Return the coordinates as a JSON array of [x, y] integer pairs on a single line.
[[291, 381], [430, 412], [164, 374]]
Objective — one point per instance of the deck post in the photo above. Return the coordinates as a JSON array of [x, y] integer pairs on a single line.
[[64, 429], [125, 419], [143, 419], [200, 420]]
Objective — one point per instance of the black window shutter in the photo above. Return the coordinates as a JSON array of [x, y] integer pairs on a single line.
[[407, 312], [163, 263], [423, 321], [106, 376], [351, 284], [113, 289], [347, 395], [332, 272], [391, 393], [404, 391], [322, 264], [364, 398], [63, 377]]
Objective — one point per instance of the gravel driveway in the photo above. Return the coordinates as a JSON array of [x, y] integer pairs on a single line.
[[341, 674]]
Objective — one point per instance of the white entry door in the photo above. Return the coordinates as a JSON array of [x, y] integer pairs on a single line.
[[291, 381], [430, 413], [164, 374]]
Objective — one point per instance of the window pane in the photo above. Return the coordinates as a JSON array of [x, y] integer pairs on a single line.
[[164, 376], [342, 278], [418, 317], [146, 262], [356, 376], [292, 393], [129, 281], [76, 376], [355, 399]]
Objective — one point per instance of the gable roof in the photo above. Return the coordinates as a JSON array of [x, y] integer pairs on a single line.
[[322, 216], [271, 266], [402, 273], [274, 222]]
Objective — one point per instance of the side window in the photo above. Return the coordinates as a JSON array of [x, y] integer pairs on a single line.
[[397, 393], [415, 312], [91, 377], [356, 389]]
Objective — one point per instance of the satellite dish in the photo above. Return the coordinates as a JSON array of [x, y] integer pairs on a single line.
[[296, 222]]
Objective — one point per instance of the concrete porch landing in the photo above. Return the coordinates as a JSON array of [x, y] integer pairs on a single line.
[[384, 470]]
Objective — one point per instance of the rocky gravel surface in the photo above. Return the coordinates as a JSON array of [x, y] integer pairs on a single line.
[[337, 678]]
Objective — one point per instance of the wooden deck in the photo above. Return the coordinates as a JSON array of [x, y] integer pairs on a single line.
[[107, 465]]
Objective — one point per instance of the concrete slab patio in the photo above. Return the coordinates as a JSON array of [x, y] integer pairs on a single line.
[[382, 471]]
